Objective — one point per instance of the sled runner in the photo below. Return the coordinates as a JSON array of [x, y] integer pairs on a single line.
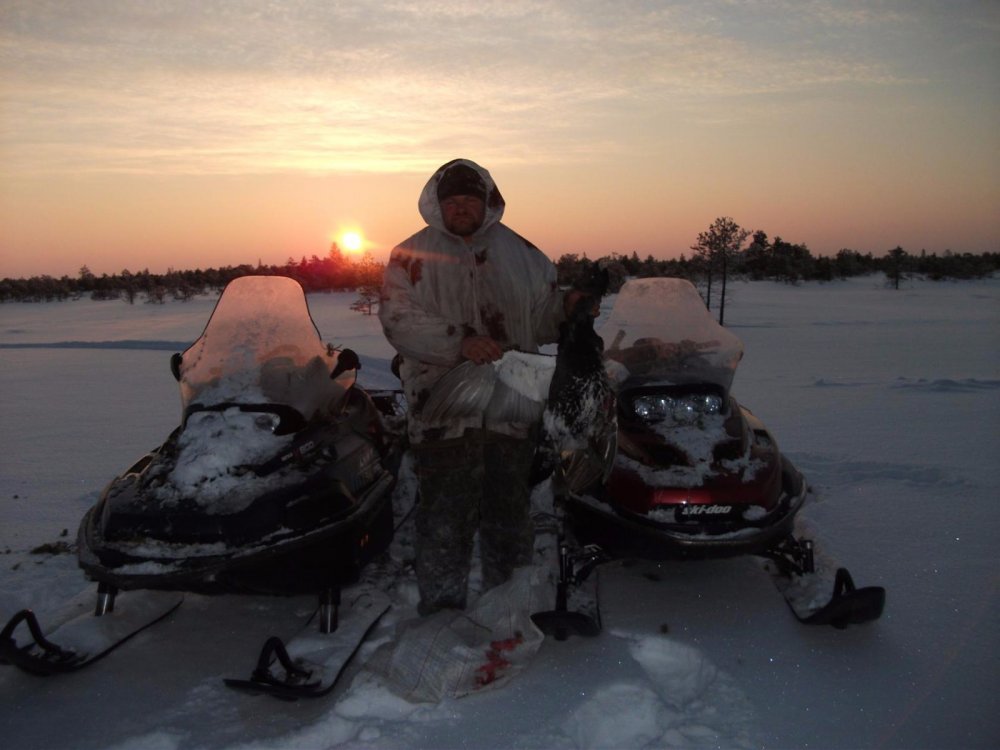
[[309, 665], [85, 638]]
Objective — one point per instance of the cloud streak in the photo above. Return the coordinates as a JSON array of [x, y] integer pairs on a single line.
[[318, 87]]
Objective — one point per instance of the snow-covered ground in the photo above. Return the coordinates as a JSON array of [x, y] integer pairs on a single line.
[[889, 402]]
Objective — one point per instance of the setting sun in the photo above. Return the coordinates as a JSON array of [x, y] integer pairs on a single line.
[[351, 241]]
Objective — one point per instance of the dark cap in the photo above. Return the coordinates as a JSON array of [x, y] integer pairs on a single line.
[[461, 180]]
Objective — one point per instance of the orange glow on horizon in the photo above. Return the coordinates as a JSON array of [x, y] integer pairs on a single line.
[[246, 149]]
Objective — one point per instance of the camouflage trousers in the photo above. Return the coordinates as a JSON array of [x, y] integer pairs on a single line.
[[478, 482]]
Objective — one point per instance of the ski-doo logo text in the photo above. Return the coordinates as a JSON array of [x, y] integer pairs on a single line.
[[704, 510]]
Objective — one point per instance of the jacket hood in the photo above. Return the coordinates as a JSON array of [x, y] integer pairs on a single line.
[[430, 207]]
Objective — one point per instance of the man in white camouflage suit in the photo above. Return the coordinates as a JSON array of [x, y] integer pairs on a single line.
[[466, 287]]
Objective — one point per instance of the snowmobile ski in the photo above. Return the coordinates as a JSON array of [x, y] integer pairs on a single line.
[[84, 639], [577, 611], [800, 573], [309, 665], [848, 605]]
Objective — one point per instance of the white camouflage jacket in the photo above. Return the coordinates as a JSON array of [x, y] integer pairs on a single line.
[[437, 290]]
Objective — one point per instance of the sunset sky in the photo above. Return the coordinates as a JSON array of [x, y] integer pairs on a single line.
[[156, 133]]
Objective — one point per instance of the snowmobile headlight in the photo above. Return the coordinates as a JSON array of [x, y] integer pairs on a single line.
[[708, 403], [656, 407], [653, 408]]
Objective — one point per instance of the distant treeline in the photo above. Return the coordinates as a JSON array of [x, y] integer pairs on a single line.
[[782, 261], [334, 272], [762, 259]]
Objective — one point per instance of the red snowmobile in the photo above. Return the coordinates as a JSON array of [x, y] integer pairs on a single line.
[[688, 472]]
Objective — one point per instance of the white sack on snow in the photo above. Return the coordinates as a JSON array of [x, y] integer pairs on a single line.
[[454, 653]]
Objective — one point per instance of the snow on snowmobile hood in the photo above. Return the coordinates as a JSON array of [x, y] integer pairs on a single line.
[[261, 347], [430, 206], [660, 331]]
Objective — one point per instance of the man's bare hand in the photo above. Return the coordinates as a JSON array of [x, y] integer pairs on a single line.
[[481, 349]]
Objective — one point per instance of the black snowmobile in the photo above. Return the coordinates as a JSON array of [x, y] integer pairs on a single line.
[[279, 478], [684, 470]]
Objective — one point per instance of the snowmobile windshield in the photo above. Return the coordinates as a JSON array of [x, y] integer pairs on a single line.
[[660, 331], [261, 349]]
